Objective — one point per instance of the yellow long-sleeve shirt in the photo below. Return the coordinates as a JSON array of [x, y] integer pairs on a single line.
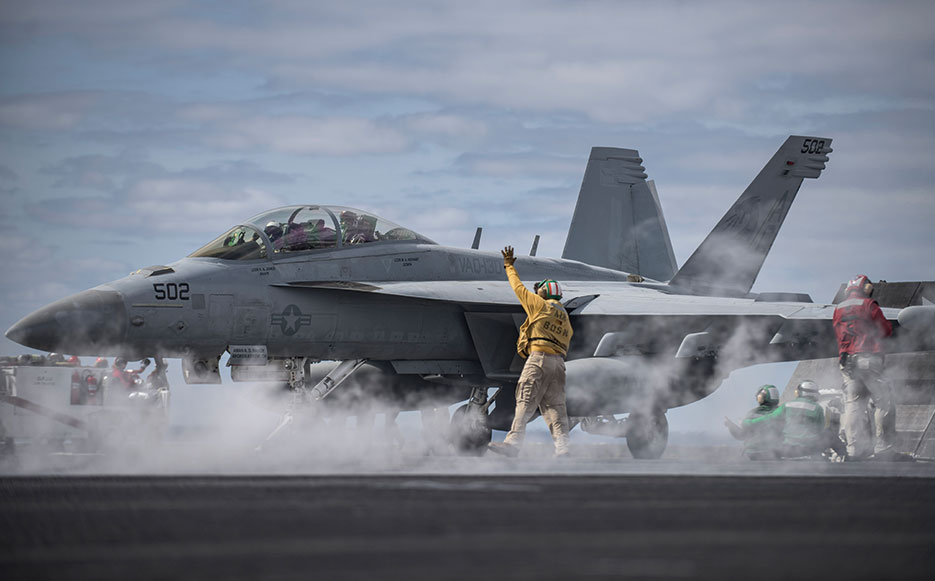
[[547, 328]]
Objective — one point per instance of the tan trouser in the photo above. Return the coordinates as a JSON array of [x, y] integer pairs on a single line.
[[542, 385], [864, 381]]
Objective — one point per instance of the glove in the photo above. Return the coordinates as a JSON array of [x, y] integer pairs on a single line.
[[735, 430], [508, 258]]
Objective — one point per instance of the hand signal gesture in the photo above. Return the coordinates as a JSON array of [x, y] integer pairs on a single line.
[[508, 258]]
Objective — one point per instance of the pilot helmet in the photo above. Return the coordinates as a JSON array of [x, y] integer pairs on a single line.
[[860, 284], [120, 363], [100, 362], [552, 289], [273, 230], [56, 358], [807, 388], [767, 395]]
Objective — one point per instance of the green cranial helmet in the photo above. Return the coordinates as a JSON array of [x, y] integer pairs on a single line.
[[767, 395], [552, 290]]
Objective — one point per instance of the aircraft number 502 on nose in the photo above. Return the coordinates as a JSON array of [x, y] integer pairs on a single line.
[[170, 291]]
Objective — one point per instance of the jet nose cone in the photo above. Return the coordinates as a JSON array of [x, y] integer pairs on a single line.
[[83, 324], [18, 332]]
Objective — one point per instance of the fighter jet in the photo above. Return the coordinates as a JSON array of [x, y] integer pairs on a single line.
[[309, 283]]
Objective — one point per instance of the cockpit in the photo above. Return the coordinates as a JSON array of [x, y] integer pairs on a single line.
[[305, 228]]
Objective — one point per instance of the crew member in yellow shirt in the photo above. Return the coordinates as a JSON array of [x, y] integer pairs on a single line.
[[543, 342]]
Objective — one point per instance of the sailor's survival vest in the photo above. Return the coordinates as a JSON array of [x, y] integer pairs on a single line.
[[547, 330]]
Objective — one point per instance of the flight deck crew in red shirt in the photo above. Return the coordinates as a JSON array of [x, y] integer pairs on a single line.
[[126, 378], [860, 327]]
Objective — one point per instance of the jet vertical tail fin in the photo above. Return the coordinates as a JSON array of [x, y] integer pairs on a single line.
[[618, 222], [728, 261]]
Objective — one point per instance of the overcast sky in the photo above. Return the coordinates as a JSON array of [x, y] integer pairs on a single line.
[[131, 133]]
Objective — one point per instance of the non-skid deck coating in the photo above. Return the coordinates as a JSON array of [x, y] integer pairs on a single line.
[[533, 525]]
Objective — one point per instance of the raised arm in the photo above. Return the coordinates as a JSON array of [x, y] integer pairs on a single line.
[[530, 301]]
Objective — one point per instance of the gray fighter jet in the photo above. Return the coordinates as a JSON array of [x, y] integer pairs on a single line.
[[303, 284]]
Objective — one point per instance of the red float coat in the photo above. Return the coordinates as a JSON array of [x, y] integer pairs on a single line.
[[860, 326], [123, 378]]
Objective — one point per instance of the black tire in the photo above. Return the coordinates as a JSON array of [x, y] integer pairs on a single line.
[[647, 435], [470, 432]]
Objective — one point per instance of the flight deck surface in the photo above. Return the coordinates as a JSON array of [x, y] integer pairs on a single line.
[[469, 518]]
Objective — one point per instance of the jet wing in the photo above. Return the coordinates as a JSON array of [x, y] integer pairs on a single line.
[[612, 298], [482, 292]]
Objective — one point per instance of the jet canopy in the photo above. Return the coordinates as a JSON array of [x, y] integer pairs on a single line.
[[305, 228]]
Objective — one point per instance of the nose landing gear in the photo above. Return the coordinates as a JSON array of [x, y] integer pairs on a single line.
[[303, 396]]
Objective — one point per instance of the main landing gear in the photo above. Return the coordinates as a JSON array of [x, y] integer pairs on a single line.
[[470, 432], [647, 434]]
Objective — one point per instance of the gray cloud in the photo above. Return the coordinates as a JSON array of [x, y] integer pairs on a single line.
[[170, 204], [309, 136], [44, 112], [106, 173], [98, 172], [670, 61], [7, 174], [517, 164], [614, 62]]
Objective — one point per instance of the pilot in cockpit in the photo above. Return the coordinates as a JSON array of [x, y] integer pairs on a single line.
[[348, 224], [319, 235], [357, 229], [273, 231], [366, 225], [234, 239]]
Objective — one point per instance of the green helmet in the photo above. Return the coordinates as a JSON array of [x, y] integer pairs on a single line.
[[767, 395], [552, 290]]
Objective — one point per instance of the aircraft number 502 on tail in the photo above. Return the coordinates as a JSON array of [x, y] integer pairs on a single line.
[[813, 145]]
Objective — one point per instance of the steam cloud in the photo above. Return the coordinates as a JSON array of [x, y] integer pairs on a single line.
[[355, 431]]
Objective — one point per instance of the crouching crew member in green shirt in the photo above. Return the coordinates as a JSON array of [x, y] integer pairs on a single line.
[[805, 431], [761, 441]]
